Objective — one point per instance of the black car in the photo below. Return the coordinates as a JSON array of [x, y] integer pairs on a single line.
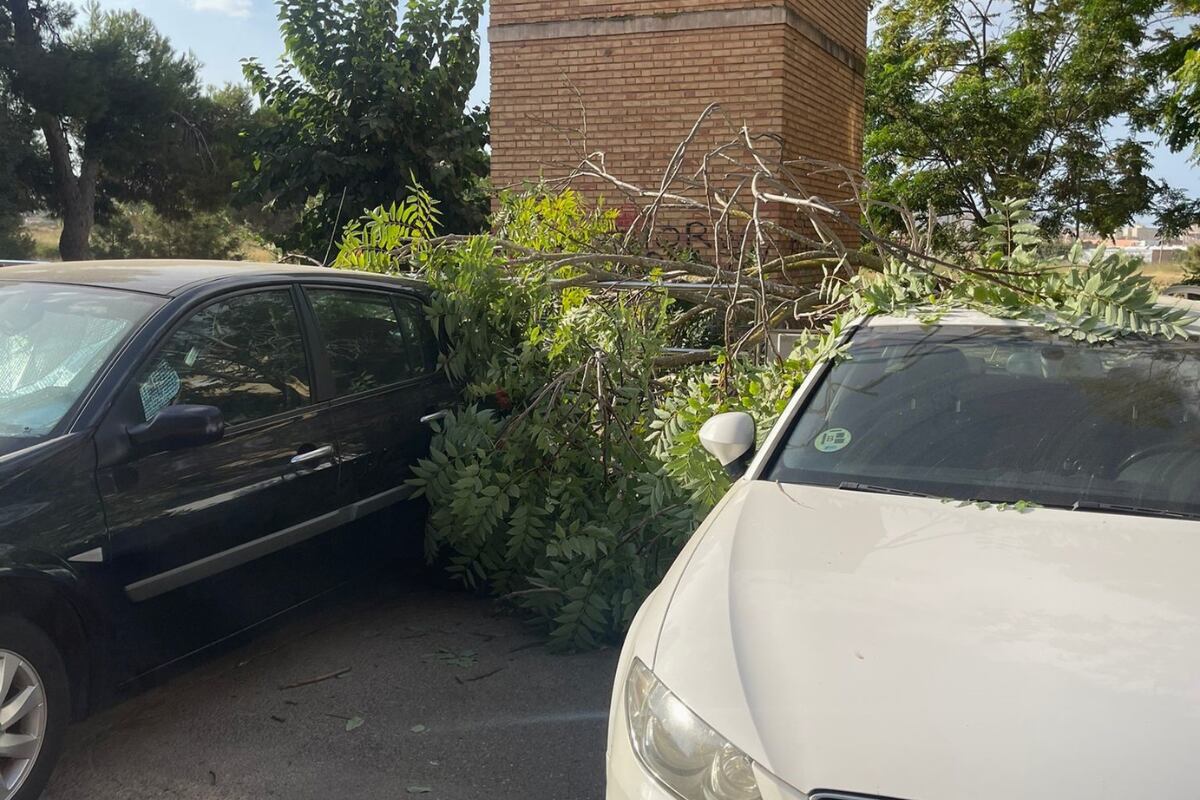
[[182, 446]]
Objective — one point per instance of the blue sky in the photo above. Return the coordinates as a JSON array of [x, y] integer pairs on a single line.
[[222, 32]]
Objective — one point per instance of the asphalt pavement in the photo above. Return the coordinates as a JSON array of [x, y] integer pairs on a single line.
[[437, 696]]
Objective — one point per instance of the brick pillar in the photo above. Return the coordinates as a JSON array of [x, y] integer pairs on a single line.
[[646, 69]]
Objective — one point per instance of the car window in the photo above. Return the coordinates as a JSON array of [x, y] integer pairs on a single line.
[[244, 355], [1005, 415], [417, 332], [368, 343]]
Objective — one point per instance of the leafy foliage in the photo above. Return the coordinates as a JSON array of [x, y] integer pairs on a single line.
[[573, 473], [970, 101], [561, 503], [368, 244], [1174, 66], [1173, 108], [361, 103], [119, 116], [545, 488], [138, 231], [20, 171], [1191, 266], [1095, 299]]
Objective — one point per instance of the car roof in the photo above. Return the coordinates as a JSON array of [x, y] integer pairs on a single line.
[[170, 277], [978, 318], [1185, 290]]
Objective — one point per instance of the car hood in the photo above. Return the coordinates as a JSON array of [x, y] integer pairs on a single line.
[[910, 648]]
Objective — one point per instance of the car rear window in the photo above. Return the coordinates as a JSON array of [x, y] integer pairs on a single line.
[[373, 339], [1006, 415]]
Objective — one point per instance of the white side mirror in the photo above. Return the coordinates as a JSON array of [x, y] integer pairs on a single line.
[[730, 438]]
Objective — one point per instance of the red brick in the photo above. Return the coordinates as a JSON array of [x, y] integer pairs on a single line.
[[799, 80]]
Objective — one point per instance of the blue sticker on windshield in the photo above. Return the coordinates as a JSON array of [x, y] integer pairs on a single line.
[[833, 440]]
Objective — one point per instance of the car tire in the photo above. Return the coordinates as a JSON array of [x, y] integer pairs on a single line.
[[32, 660]]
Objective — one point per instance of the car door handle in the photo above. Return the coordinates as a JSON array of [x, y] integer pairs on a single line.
[[320, 454], [436, 416]]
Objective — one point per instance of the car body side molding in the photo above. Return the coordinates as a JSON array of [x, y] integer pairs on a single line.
[[207, 567]]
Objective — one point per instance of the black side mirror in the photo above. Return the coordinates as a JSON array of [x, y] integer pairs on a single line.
[[178, 427]]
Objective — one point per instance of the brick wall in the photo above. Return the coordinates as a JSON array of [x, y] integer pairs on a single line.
[[646, 69], [506, 12], [823, 118], [844, 20]]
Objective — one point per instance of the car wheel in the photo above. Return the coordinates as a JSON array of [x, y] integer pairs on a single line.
[[35, 703]]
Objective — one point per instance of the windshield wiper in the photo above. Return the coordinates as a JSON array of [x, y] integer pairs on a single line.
[[850, 486], [1139, 511]]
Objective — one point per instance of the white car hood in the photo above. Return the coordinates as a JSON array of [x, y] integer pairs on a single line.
[[914, 649]]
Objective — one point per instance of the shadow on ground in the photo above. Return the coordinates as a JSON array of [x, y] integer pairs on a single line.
[[444, 700]]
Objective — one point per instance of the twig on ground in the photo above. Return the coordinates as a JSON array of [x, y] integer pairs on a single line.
[[319, 679]]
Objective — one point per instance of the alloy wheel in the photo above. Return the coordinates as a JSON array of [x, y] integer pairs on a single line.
[[22, 721]]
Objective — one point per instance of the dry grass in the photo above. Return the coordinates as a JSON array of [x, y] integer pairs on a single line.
[[252, 251], [1164, 274], [45, 235]]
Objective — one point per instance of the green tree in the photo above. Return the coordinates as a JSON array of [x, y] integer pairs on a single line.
[[136, 230], [19, 171], [363, 103], [1191, 265], [196, 167], [120, 113], [1175, 66], [971, 101], [1174, 111]]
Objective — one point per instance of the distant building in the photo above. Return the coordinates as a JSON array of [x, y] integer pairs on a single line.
[[645, 70], [1143, 233], [1141, 241], [1154, 254]]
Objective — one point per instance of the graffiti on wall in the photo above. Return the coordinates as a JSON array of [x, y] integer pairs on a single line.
[[670, 240], [673, 239]]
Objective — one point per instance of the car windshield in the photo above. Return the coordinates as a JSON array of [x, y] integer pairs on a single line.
[[1005, 415], [53, 341]]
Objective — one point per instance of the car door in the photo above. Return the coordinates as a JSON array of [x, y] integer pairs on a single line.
[[382, 355], [190, 528]]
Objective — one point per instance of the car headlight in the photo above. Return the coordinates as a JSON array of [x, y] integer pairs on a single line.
[[679, 749]]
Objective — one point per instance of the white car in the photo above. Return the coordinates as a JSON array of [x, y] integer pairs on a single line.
[[965, 565]]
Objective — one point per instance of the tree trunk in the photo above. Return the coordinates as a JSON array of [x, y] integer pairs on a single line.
[[79, 211], [77, 231], [76, 193]]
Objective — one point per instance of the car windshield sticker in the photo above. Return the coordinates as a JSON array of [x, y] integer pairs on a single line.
[[833, 440]]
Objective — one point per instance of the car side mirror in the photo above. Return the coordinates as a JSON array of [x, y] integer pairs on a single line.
[[177, 428], [731, 439]]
